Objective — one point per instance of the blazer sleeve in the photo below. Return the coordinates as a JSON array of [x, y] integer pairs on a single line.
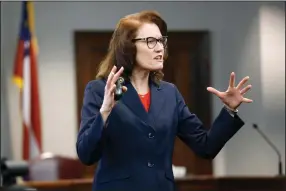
[[206, 143], [90, 137]]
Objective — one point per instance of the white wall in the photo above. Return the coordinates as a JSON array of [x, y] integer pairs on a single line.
[[5, 149], [269, 110], [272, 27], [239, 43]]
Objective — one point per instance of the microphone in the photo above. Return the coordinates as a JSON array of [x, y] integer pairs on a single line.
[[255, 126]]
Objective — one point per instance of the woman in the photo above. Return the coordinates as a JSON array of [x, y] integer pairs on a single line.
[[133, 139]]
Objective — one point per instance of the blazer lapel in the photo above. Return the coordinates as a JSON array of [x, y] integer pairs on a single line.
[[131, 99], [157, 102], [133, 102]]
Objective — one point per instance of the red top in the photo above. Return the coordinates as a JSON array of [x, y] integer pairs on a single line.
[[145, 99]]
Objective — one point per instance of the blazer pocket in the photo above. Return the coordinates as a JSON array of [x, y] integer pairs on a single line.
[[112, 176], [169, 175]]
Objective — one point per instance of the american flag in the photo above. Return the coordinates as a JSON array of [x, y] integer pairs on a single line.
[[25, 76]]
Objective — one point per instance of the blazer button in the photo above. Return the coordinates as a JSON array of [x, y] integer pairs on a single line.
[[150, 164], [151, 135]]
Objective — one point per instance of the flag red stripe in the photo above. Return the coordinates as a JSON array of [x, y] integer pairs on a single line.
[[35, 102], [18, 68], [26, 143]]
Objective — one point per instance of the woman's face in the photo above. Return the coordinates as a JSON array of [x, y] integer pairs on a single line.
[[150, 51]]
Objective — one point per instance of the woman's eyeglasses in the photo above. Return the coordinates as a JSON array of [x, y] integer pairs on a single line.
[[152, 41]]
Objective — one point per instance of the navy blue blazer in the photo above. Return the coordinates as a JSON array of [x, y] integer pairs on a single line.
[[134, 148]]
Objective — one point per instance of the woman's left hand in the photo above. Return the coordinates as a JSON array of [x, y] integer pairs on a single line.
[[233, 96]]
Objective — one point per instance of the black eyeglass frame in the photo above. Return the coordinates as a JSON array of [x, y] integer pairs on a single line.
[[164, 43]]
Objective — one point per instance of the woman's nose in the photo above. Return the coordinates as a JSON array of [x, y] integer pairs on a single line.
[[159, 47]]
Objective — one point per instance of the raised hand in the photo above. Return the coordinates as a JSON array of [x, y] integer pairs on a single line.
[[108, 101], [233, 96]]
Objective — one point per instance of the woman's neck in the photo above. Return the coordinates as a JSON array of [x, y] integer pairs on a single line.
[[140, 81]]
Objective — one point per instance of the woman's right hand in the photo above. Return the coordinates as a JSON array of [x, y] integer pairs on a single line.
[[108, 100]]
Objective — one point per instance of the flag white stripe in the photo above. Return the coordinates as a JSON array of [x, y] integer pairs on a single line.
[[27, 92], [33, 146]]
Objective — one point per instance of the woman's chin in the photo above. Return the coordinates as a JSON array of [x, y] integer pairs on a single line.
[[156, 67]]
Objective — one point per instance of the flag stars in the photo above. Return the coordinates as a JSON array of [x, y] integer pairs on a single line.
[[26, 45]]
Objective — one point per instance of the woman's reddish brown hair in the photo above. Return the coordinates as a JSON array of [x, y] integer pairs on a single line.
[[122, 51]]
